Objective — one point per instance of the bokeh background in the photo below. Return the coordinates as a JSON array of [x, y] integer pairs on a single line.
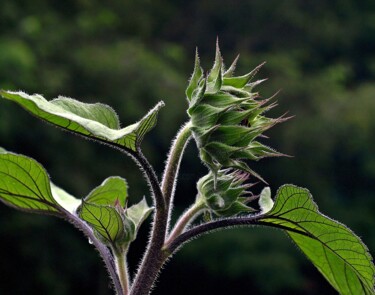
[[131, 54]]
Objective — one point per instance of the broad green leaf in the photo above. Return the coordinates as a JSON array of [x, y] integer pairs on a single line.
[[138, 213], [114, 190], [24, 184], [96, 121], [106, 221], [334, 249]]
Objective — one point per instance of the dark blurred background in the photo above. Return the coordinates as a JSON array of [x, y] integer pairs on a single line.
[[131, 54]]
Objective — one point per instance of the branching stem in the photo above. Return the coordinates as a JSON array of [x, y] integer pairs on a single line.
[[184, 221], [221, 224]]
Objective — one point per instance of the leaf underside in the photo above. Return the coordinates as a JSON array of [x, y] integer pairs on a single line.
[[24, 184], [97, 121], [113, 191], [333, 248], [105, 220]]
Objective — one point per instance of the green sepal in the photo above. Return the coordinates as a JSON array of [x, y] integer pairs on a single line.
[[96, 121], [217, 67], [234, 117], [230, 71], [204, 115], [195, 78], [198, 94], [222, 99], [233, 135], [241, 81]]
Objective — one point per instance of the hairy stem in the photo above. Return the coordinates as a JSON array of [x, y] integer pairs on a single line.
[[150, 177], [154, 257], [220, 224], [122, 269], [102, 249], [173, 164], [184, 221]]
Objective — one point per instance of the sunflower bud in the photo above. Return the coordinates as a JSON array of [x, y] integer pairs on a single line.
[[227, 117], [228, 196]]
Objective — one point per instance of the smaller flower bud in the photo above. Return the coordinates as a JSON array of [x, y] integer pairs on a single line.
[[225, 194]]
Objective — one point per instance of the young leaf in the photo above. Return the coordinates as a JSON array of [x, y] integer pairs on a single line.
[[334, 249], [106, 221], [24, 185], [112, 191], [97, 121], [138, 213]]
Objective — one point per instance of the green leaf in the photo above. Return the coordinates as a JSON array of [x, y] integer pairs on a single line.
[[97, 121], [138, 213], [106, 221], [24, 185], [114, 190], [334, 249]]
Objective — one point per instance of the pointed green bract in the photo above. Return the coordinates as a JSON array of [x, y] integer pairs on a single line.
[[334, 249], [195, 78], [97, 121], [114, 190]]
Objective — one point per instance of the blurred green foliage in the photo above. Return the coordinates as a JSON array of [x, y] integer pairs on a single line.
[[131, 54]]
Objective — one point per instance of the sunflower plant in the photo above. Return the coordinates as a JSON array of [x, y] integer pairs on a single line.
[[227, 119]]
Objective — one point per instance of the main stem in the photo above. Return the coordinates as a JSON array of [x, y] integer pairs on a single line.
[[155, 255]]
